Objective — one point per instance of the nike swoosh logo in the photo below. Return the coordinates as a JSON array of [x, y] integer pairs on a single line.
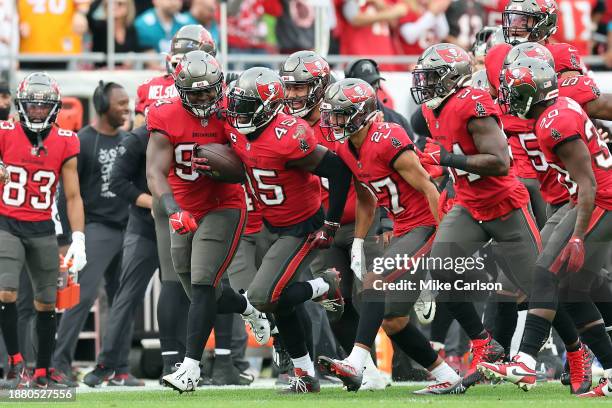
[[427, 315], [476, 97], [522, 374], [587, 82]]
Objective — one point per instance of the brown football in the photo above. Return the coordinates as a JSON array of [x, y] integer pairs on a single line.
[[225, 163]]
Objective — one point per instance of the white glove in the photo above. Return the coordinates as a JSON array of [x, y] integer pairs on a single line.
[[358, 260], [76, 252]]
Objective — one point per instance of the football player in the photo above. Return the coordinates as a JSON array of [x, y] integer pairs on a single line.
[[490, 202], [386, 168], [35, 154], [282, 160], [306, 76], [206, 217], [188, 38], [580, 242]]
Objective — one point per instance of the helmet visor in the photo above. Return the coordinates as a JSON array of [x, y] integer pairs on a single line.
[[202, 101], [338, 122], [241, 110], [517, 26], [424, 83]]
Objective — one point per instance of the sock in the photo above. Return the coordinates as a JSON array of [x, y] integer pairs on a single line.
[[565, 327], [224, 326], [202, 314], [358, 358], [222, 352], [291, 332], [8, 324], [172, 311], [537, 330], [319, 287], [231, 301], [505, 322], [46, 325], [468, 318], [441, 323], [294, 294], [372, 313], [527, 359], [345, 329], [306, 322], [600, 344], [444, 373], [412, 342], [305, 364]]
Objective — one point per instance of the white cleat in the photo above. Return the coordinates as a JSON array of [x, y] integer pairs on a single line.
[[425, 307], [374, 379], [260, 326], [184, 379]]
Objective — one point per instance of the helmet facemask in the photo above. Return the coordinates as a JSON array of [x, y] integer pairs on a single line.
[[428, 87], [201, 107], [246, 114], [521, 26], [342, 123], [37, 121], [315, 93]]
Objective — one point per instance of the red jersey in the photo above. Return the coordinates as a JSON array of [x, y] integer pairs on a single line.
[[514, 128], [373, 39], [581, 88], [425, 40], [154, 89], [192, 191], [28, 195], [574, 24], [564, 121], [287, 196], [485, 197], [348, 216], [254, 217], [567, 58], [372, 165]]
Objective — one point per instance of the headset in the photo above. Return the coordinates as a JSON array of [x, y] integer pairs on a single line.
[[100, 97]]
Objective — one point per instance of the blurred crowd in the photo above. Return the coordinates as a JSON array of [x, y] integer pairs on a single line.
[[357, 27]]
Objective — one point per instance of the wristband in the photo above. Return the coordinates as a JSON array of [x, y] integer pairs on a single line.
[[358, 242], [169, 204], [456, 161], [78, 236]]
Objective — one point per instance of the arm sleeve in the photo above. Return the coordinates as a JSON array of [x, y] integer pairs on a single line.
[[62, 214], [339, 175], [411, 32], [126, 167]]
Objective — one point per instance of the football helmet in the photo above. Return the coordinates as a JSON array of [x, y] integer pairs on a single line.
[[529, 20], [38, 101], [479, 46], [527, 82], [305, 68], [198, 80], [191, 37], [348, 106], [529, 50], [256, 98], [440, 71]]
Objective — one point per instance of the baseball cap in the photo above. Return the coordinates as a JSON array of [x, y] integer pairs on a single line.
[[365, 69]]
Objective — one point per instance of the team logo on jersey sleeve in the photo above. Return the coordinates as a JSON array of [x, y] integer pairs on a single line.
[[304, 146], [555, 134], [480, 109], [396, 143]]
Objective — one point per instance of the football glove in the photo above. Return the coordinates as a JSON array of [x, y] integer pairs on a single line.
[[324, 237], [358, 261], [434, 154], [573, 254], [76, 256], [182, 222]]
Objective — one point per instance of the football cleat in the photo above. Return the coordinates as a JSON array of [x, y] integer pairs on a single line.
[[60, 377], [125, 380], [515, 372], [99, 374], [302, 383], [602, 390], [349, 375], [332, 301], [184, 379], [260, 326], [425, 308], [17, 377], [373, 379], [47, 381], [443, 388], [580, 371], [483, 350]]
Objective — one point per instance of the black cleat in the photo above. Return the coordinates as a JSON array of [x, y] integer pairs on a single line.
[[99, 374], [17, 377]]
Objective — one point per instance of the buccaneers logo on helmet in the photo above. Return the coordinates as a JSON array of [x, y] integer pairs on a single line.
[[452, 54], [317, 68], [520, 76], [271, 91], [357, 93]]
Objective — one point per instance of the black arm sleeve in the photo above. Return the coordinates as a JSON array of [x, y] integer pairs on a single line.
[[126, 168], [62, 213], [339, 176]]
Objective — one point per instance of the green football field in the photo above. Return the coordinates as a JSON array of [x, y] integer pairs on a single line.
[[544, 396]]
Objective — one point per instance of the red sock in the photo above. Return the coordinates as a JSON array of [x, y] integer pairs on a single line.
[[40, 372], [16, 358]]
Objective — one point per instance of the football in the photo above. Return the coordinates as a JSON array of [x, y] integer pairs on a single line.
[[226, 165]]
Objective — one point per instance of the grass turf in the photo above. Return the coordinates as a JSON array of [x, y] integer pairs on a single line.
[[507, 395]]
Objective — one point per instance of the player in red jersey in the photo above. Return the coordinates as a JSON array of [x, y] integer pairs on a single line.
[[575, 24], [306, 76], [207, 217], [489, 202], [282, 160], [580, 242], [386, 169], [35, 154], [187, 38]]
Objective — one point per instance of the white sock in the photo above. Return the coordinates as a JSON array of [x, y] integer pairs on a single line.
[[444, 373], [222, 352], [528, 360], [304, 363], [191, 363], [249, 307], [319, 287], [358, 357]]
